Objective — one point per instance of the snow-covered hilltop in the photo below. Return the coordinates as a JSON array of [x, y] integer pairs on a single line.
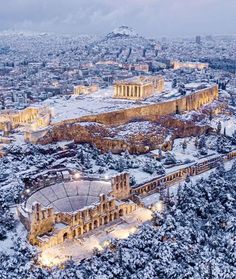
[[123, 36], [123, 31]]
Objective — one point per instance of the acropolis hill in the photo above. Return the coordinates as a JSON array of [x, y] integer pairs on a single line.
[[71, 117], [50, 121]]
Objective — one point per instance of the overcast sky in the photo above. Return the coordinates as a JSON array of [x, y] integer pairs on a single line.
[[152, 18]]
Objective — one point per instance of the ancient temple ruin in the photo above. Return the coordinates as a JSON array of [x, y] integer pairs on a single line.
[[138, 88]]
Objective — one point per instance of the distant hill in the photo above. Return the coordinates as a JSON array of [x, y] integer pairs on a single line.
[[123, 36], [122, 31]]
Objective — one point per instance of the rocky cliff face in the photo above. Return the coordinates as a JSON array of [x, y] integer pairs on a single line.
[[136, 137]]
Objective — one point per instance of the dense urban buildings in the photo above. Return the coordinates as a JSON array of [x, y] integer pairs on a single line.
[[103, 141]]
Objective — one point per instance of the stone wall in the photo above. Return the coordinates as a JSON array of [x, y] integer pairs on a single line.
[[42, 221], [121, 187], [190, 102], [105, 139]]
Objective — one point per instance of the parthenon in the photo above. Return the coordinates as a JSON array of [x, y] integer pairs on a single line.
[[138, 88]]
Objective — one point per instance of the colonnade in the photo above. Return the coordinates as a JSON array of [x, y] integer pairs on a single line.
[[181, 174], [131, 91]]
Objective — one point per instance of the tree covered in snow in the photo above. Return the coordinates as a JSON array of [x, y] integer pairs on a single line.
[[223, 144], [218, 128], [174, 83], [149, 167], [20, 263], [202, 147], [184, 145], [170, 159], [202, 142], [160, 170], [132, 180]]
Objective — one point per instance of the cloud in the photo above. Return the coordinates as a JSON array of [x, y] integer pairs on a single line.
[[149, 17]]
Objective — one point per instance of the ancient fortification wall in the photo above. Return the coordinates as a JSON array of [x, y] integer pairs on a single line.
[[152, 112]]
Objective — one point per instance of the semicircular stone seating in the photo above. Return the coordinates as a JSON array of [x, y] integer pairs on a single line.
[[69, 196]]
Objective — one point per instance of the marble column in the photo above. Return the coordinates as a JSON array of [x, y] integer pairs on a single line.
[[141, 92]]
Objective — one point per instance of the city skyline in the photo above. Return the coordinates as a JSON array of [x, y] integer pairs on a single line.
[[171, 18]]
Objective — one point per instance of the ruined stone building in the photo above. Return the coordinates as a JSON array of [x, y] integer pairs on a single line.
[[82, 89], [32, 117], [138, 88]]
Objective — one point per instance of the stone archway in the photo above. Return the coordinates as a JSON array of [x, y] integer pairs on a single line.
[[105, 220], [79, 231], [65, 236], [121, 212], [95, 224]]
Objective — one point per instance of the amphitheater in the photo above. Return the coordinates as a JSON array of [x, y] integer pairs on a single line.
[[70, 196], [67, 207]]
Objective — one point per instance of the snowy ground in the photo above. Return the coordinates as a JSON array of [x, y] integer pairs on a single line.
[[227, 122], [100, 238]]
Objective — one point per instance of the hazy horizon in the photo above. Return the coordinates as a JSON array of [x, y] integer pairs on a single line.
[[152, 18]]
